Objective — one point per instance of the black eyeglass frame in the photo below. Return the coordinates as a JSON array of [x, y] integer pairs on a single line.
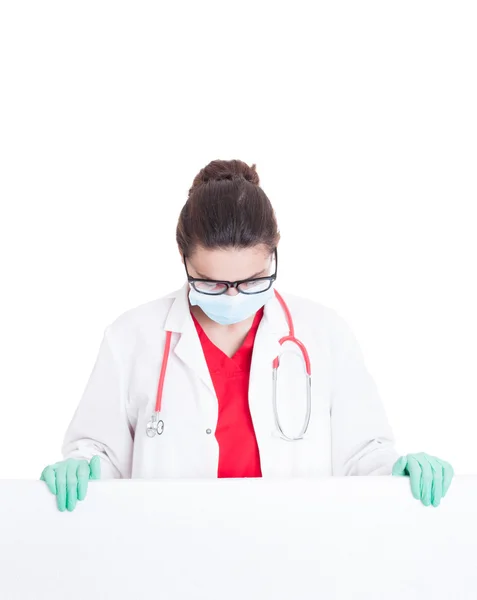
[[232, 284]]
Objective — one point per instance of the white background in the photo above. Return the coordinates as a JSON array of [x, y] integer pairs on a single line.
[[361, 119]]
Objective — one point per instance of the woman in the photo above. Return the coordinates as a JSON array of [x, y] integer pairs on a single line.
[[212, 346]]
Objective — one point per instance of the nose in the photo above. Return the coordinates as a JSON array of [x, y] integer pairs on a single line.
[[232, 291]]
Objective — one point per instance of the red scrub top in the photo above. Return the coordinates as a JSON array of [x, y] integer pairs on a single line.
[[238, 449]]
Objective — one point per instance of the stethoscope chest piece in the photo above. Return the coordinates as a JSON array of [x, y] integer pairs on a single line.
[[155, 426]]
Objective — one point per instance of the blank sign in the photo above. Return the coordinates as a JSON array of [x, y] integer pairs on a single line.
[[356, 538]]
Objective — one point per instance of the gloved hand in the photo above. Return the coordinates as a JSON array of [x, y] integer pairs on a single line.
[[430, 476], [68, 480]]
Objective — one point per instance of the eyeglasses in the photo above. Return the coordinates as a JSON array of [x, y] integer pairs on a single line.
[[211, 287]]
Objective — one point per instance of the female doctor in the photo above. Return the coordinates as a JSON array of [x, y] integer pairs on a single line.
[[226, 377]]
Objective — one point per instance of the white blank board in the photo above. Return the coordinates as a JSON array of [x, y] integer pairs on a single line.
[[334, 538]]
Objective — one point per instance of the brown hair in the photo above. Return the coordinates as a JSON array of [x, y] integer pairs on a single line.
[[226, 208]]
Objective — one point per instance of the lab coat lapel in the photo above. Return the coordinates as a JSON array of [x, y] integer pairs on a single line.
[[188, 347], [266, 347]]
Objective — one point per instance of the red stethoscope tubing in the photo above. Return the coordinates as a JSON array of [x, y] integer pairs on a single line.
[[160, 387], [291, 337], [288, 338]]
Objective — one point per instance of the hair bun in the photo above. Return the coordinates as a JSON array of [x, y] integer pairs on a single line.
[[218, 170]]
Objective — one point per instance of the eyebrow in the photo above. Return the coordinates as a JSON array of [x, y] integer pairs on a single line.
[[202, 276]]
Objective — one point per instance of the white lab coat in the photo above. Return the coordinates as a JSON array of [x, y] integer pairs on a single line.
[[348, 433]]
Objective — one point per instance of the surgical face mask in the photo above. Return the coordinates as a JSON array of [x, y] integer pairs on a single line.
[[228, 310]]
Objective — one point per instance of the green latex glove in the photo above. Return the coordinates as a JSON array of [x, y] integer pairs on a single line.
[[68, 480], [430, 476]]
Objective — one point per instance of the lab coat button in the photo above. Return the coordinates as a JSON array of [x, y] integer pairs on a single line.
[[208, 431]]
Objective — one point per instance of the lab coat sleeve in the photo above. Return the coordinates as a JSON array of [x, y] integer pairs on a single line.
[[362, 439], [100, 425]]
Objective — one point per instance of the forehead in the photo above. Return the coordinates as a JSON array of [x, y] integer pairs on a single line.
[[230, 264]]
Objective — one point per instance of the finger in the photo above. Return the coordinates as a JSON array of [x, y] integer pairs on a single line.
[[400, 465], [71, 484], [448, 474], [48, 476], [426, 481], [437, 480], [95, 468], [414, 469], [61, 486], [83, 477]]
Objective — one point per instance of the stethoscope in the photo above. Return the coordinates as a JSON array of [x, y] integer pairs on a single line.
[[156, 425]]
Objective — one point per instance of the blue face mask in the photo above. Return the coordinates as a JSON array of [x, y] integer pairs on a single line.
[[228, 310]]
